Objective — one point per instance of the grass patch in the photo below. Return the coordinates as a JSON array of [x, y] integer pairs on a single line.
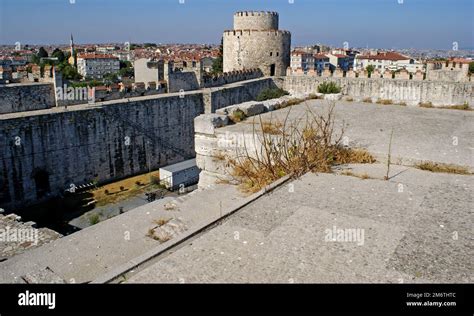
[[329, 87], [94, 219], [442, 168], [271, 93], [237, 116], [367, 100], [363, 176], [308, 144], [161, 221], [462, 107], [349, 99], [124, 189], [427, 105], [384, 101], [273, 128]]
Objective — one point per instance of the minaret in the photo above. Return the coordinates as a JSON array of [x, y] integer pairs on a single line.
[[72, 60]]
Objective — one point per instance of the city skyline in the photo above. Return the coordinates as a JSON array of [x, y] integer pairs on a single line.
[[119, 21]]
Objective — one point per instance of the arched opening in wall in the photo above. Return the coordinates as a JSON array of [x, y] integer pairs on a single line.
[[42, 183], [272, 70]]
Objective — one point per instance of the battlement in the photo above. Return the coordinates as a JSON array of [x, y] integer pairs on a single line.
[[259, 20], [256, 13], [239, 32], [403, 74], [232, 76]]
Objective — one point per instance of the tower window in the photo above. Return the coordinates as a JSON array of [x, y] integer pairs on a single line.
[[278, 54], [271, 53]]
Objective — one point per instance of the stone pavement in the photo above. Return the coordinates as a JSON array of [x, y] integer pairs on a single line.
[[418, 133], [417, 232], [99, 249], [417, 227]]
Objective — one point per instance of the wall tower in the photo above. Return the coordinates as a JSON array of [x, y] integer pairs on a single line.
[[256, 42]]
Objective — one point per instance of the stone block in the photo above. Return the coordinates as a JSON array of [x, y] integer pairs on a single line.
[[333, 96], [207, 123]]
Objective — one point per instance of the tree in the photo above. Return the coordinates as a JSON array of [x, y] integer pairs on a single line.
[[471, 68], [110, 79], [370, 68], [59, 54], [69, 72], [42, 53], [218, 64]]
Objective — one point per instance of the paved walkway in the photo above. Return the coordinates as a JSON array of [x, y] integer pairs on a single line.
[[420, 232], [99, 249]]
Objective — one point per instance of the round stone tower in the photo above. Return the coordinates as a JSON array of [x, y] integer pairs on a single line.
[[256, 42]]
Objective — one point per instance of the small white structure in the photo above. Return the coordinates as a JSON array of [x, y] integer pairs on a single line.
[[181, 174]]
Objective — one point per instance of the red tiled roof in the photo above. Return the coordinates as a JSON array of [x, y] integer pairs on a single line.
[[321, 56], [384, 56]]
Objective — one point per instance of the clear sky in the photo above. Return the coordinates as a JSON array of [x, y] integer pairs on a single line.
[[374, 23]]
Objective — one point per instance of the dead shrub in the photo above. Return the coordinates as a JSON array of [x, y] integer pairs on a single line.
[[309, 143]]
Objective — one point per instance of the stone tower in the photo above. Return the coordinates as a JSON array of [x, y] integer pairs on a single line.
[[256, 42]]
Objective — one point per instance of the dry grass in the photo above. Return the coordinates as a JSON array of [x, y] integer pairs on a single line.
[[442, 168], [402, 104], [309, 143], [463, 107], [123, 189], [367, 100], [363, 176], [349, 99], [161, 221], [384, 101], [425, 105], [273, 128]]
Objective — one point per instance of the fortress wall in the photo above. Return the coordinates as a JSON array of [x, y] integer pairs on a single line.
[[182, 81], [217, 98], [411, 92], [232, 77], [92, 143], [26, 97]]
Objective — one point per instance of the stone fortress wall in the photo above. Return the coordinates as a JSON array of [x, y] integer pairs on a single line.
[[412, 92], [26, 97], [44, 153], [256, 42]]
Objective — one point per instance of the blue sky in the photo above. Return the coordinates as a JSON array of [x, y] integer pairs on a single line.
[[373, 23]]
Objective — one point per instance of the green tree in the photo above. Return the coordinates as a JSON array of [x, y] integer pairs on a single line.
[[69, 72], [218, 64], [42, 53], [370, 68], [59, 54], [471, 68], [110, 79]]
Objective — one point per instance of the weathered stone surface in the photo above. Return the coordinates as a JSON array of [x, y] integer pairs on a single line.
[[207, 123], [17, 237], [333, 96], [43, 276]]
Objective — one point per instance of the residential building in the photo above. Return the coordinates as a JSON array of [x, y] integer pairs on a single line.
[[302, 60], [340, 61], [321, 62], [391, 61], [97, 66]]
